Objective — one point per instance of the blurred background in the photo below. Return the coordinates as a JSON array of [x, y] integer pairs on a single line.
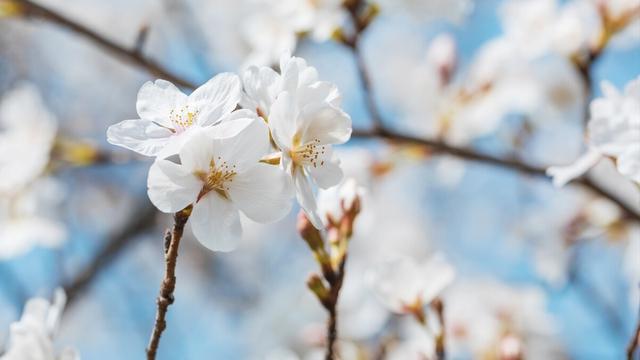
[[556, 268]]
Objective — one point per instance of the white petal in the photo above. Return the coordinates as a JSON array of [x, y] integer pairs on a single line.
[[323, 122], [628, 163], [157, 99], [282, 121], [290, 75], [263, 193], [217, 97], [170, 187], [326, 175], [305, 197], [216, 223], [141, 136], [241, 142], [260, 86], [564, 174], [196, 153], [320, 91]]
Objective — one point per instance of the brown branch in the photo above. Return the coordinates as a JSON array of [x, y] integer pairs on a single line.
[[438, 306], [505, 163], [633, 342], [165, 298], [141, 223], [360, 24], [132, 56]]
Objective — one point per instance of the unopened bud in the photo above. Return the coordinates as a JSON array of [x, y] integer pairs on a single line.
[[309, 232], [315, 284]]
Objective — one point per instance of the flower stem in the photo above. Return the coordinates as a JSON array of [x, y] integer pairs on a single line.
[[438, 307], [168, 285]]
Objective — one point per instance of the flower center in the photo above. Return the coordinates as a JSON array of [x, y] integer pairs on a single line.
[[310, 153], [182, 118], [217, 179]]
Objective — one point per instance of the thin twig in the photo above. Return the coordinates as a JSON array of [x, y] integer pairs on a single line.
[[505, 163], [438, 306], [132, 56], [165, 298], [332, 309], [141, 222], [353, 43]]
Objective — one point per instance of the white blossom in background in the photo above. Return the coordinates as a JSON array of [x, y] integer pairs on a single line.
[[32, 337], [488, 318], [452, 10], [613, 131], [273, 26], [403, 284], [28, 218], [332, 200], [28, 200], [537, 27], [27, 135], [305, 119], [168, 117], [220, 174]]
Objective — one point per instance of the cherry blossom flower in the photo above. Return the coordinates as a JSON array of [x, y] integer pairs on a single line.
[[452, 10], [167, 115], [489, 318], [27, 219], [262, 85], [27, 134], [305, 120], [32, 337], [331, 201], [273, 26], [405, 285], [220, 174], [613, 131]]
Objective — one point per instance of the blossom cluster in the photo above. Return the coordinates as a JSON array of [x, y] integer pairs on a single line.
[[239, 144], [32, 337]]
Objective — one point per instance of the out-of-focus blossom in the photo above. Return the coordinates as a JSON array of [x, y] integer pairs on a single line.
[[537, 27], [452, 10], [614, 131], [631, 266], [27, 134], [32, 338], [273, 26], [27, 219], [403, 284], [492, 320], [220, 174], [167, 116], [305, 120], [332, 200], [414, 343]]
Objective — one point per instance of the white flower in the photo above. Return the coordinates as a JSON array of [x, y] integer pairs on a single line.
[[305, 120], [31, 338], [273, 26], [262, 85], [330, 201], [167, 115], [27, 219], [614, 131], [220, 173], [452, 10], [537, 27], [27, 133], [403, 283]]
